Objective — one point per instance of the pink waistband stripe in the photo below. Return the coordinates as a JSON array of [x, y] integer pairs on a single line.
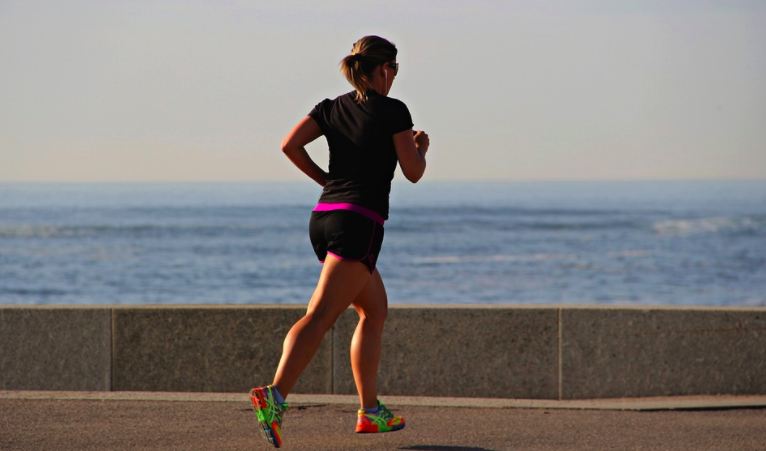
[[351, 207]]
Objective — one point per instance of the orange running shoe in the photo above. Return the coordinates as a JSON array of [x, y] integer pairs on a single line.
[[269, 413], [383, 421]]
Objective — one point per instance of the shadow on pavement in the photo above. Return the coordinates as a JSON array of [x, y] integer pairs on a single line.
[[445, 448]]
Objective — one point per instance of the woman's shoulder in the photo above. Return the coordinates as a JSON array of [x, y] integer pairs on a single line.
[[390, 103], [396, 103], [328, 104], [343, 98]]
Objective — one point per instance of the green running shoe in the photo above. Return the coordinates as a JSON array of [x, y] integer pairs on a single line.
[[383, 421], [269, 413]]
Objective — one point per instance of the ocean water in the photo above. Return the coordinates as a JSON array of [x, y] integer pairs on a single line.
[[634, 243]]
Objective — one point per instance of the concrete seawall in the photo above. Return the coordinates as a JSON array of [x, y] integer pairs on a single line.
[[531, 352]]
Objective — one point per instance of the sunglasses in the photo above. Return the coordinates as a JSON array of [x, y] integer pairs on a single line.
[[395, 67]]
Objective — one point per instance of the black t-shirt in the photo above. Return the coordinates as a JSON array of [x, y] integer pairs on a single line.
[[362, 154]]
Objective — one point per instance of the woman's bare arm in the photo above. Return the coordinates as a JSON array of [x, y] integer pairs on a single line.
[[411, 148], [294, 144]]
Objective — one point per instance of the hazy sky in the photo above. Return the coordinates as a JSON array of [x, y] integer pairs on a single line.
[[154, 90]]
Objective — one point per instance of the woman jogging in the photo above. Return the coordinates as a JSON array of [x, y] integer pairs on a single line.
[[367, 133]]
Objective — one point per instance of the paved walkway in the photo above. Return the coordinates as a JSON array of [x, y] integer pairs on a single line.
[[170, 421]]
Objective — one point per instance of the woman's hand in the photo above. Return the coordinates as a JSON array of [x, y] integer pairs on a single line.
[[421, 141]]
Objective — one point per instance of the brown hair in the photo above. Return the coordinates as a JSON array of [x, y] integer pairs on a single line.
[[366, 54]]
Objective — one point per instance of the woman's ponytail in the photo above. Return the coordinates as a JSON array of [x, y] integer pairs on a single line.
[[366, 54]]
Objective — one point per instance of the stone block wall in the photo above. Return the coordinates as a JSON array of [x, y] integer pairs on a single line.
[[526, 352]]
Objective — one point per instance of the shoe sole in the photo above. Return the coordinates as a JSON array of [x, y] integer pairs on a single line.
[[259, 401], [393, 428]]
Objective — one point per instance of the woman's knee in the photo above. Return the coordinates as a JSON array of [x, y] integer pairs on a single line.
[[374, 316]]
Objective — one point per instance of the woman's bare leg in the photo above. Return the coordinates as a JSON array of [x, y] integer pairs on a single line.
[[339, 284], [372, 305]]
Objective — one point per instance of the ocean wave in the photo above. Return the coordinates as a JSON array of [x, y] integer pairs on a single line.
[[537, 257], [45, 231], [630, 254], [715, 224], [579, 226], [64, 231], [447, 259], [42, 292], [514, 224]]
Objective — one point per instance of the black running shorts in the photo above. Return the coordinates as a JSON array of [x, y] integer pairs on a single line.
[[347, 235]]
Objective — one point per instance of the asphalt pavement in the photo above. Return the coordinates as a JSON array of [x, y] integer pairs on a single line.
[[117, 421]]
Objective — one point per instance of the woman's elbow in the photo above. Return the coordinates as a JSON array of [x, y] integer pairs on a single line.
[[288, 148], [414, 176]]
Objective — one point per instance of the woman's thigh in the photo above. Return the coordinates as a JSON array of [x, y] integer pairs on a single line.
[[340, 283]]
